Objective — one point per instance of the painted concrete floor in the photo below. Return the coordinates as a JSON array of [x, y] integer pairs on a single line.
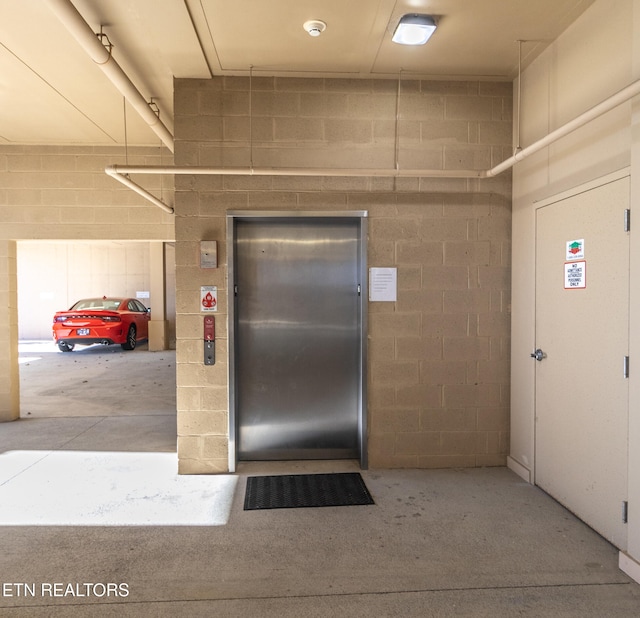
[[436, 543]]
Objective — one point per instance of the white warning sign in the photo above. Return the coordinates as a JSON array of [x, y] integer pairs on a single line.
[[575, 275], [208, 298]]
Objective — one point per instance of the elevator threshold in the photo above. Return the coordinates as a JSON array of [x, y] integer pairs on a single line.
[[297, 466]]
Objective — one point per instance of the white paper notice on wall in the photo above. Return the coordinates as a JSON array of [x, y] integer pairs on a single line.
[[575, 275], [383, 284]]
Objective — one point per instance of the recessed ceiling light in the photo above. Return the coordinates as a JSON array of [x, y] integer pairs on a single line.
[[314, 27], [414, 29]]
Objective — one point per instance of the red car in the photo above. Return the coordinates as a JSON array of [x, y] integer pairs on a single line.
[[102, 320]]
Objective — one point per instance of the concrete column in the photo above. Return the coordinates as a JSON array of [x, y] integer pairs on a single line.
[[158, 325], [9, 376]]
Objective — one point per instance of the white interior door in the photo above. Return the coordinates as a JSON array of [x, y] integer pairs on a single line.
[[582, 328]]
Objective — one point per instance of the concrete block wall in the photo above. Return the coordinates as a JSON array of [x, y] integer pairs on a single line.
[[62, 192], [438, 374]]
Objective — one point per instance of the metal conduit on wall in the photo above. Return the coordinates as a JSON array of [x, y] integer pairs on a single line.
[[120, 172]]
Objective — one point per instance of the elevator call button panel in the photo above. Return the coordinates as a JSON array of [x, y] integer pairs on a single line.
[[209, 340]]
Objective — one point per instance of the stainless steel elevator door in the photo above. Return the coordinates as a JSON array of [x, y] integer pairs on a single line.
[[298, 338]]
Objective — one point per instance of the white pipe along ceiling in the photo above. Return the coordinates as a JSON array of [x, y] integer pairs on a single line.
[[120, 172], [91, 43]]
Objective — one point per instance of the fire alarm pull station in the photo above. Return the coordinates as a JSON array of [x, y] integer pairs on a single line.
[[209, 340]]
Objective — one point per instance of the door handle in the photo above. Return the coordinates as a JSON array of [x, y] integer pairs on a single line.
[[538, 355]]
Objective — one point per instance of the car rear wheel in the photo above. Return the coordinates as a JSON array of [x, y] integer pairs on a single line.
[[130, 343], [63, 346]]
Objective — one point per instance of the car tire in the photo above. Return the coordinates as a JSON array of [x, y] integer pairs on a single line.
[[130, 343], [63, 346]]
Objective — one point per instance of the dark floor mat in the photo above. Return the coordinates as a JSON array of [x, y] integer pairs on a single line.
[[306, 490]]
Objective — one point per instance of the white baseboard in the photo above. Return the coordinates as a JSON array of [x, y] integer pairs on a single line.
[[629, 565], [519, 469]]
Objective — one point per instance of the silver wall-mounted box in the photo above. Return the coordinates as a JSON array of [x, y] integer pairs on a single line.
[[208, 254]]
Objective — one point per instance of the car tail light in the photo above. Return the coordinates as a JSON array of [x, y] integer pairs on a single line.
[[110, 318]]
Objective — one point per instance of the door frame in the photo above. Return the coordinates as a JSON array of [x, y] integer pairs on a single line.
[[256, 216]]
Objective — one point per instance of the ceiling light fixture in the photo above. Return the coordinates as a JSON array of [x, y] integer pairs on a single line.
[[414, 29], [314, 27]]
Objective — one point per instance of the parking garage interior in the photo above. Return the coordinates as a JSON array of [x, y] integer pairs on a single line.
[[492, 440]]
